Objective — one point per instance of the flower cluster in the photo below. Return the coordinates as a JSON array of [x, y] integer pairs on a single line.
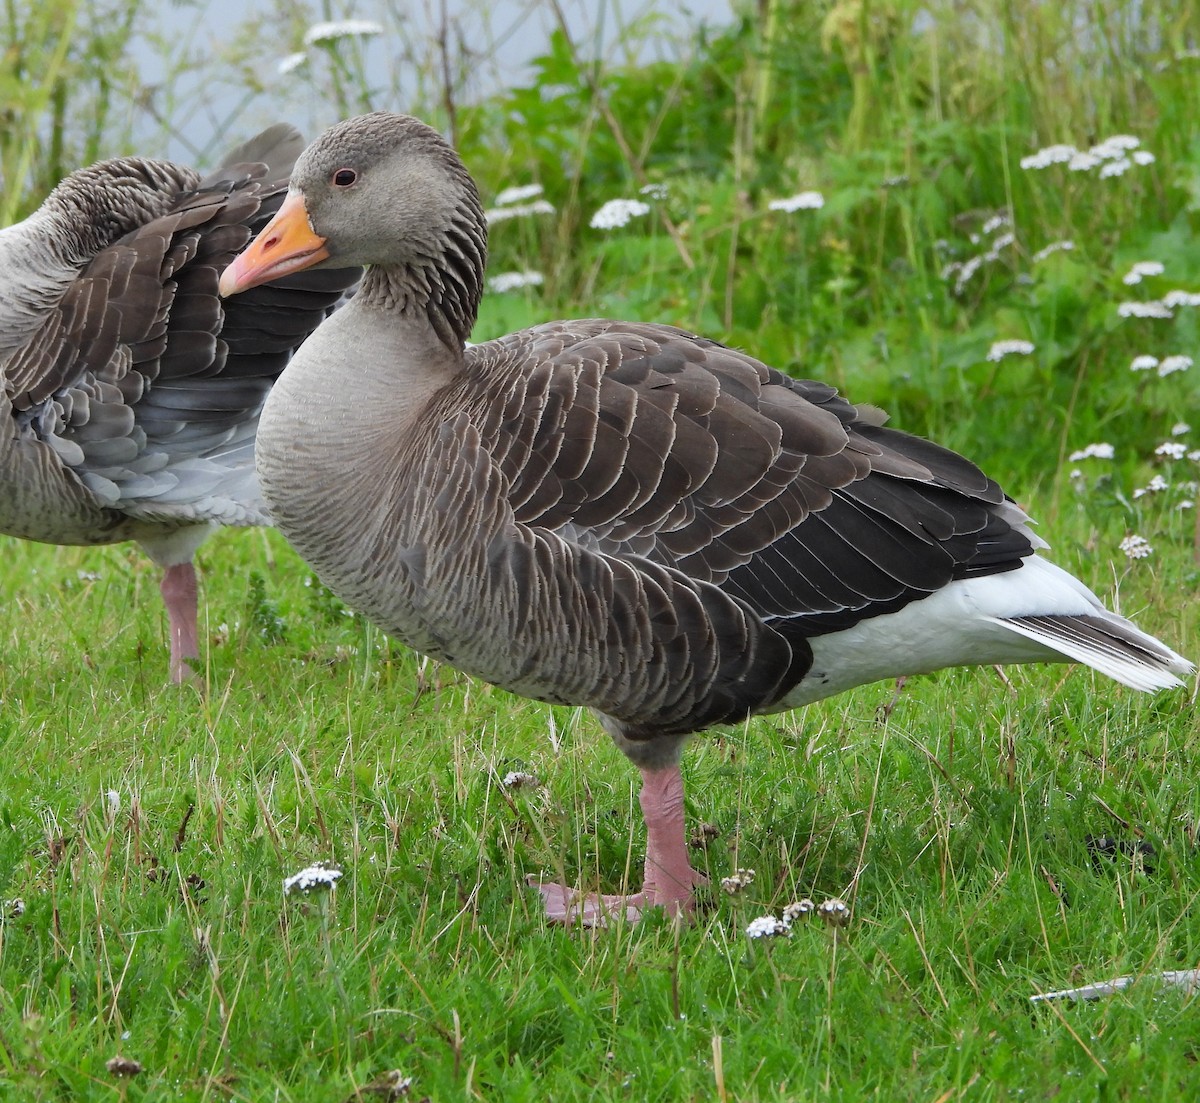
[[833, 911], [1051, 249], [617, 213], [319, 877], [802, 201], [1141, 270], [320, 33], [1100, 451], [1136, 547], [1113, 157], [519, 779], [514, 281], [738, 880], [1001, 349], [1168, 365], [964, 271]]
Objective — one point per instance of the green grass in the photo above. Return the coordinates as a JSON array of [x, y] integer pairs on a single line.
[[957, 824]]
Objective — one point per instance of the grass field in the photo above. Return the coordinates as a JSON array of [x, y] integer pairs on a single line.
[[995, 836]]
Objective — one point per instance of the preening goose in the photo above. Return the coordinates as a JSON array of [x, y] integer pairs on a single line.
[[620, 515], [131, 393]]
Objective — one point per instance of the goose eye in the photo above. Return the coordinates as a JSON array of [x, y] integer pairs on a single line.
[[343, 178]]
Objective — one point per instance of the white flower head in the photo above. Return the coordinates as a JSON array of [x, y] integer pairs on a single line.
[[1051, 155], [514, 281], [1142, 269], [1136, 547], [798, 909], [1180, 429], [1145, 362], [1173, 449], [319, 877], [1102, 450], [657, 192], [290, 63], [344, 28], [994, 223], [802, 201], [1052, 248], [519, 779], [1179, 297], [1116, 168], [518, 194], [1154, 486], [767, 926], [1152, 309], [1001, 349], [1142, 157], [834, 912], [517, 210], [617, 213], [737, 881], [1171, 364], [1083, 162], [1116, 146]]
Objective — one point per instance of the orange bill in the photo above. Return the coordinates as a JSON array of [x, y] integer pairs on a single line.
[[286, 244]]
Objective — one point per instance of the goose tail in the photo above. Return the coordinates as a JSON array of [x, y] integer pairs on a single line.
[[1108, 643]]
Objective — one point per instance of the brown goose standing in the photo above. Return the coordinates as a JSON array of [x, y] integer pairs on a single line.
[[131, 392], [618, 515]]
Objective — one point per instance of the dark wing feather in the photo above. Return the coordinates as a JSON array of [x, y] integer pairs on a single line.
[[646, 446], [141, 365]]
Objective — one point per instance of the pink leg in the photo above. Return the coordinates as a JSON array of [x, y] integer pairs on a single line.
[[669, 877], [179, 595]]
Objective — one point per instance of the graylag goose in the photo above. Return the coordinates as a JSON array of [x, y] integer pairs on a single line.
[[621, 515], [131, 393]]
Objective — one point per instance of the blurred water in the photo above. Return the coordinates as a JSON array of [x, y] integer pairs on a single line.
[[210, 68]]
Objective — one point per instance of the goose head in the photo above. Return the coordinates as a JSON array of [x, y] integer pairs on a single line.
[[387, 192]]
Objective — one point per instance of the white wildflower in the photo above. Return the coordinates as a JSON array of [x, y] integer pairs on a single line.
[[1001, 349], [965, 272], [1053, 247], [1145, 362], [737, 881], [518, 194], [799, 909], [767, 926], [1171, 364], [1152, 309], [345, 28], [113, 800], [1100, 451], [1187, 503], [1179, 297], [898, 181], [88, 576], [802, 201], [1156, 484], [1083, 162], [1142, 269], [1194, 456], [1175, 449], [1180, 429], [656, 192], [1142, 157], [1051, 155], [519, 779], [994, 223], [517, 210], [290, 63], [834, 912], [1136, 547], [320, 876], [1116, 168], [1116, 146], [617, 213], [12, 909], [1001, 242], [513, 281]]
